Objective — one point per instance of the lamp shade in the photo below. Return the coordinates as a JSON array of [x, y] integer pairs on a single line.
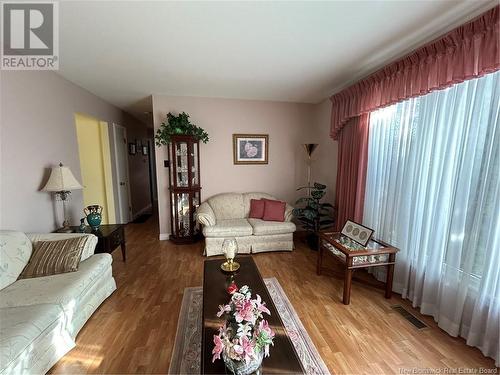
[[61, 179]]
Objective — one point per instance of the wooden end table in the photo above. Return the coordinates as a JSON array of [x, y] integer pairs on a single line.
[[109, 237], [283, 358], [352, 256]]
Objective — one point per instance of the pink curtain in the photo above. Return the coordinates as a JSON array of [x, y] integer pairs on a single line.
[[468, 51], [351, 174]]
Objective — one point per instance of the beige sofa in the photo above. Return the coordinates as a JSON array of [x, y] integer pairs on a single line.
[[40, 317], [226, 216]]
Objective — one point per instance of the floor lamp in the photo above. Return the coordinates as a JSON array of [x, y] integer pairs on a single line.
[[309, 148]]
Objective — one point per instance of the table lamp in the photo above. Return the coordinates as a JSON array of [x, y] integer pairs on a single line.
[[61, 182]]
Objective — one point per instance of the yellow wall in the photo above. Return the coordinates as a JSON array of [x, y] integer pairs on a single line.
[[95, 164]]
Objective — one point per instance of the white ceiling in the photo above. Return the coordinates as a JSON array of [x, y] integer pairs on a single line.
[[123, 51]]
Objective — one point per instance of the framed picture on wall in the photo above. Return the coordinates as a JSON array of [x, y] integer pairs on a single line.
[[250, 148], [145, 150], [132, 149]]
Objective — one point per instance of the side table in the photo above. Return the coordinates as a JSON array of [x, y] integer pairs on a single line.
[[109, 237], [375, 254]]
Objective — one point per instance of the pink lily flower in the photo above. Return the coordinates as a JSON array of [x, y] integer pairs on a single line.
[[218, 348], [245, 312], [223, 329], [223, 309], [264, 327], [261, 305], [247, 348]]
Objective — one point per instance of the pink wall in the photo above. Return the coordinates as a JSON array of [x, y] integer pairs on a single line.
[[288, 125], [37, 132]]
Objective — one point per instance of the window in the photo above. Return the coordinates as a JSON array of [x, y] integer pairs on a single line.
[[433, 190]]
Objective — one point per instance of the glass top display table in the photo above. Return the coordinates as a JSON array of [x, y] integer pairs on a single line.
[[352, 256]]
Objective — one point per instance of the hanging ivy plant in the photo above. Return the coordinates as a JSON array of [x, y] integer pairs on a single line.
[[178, 125]]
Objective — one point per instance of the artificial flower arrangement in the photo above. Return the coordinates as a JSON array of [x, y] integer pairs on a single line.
[[245, 336]]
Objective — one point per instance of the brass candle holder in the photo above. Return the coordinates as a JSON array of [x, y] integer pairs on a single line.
[[230, 266]]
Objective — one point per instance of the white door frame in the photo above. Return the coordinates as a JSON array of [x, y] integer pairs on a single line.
[[127, 216]]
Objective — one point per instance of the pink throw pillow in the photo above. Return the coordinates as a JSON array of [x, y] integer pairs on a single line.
[[256, 208], [274, 210]]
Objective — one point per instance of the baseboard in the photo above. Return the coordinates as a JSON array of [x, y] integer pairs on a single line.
[[164, 236], [144, 210]]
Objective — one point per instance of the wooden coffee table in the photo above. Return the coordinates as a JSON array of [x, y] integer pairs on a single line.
[[283, 358]]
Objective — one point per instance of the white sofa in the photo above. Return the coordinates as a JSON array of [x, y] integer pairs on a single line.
[[226, 215], [40, 317]]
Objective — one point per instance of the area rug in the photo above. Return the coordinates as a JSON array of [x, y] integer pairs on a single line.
[[186, 356]]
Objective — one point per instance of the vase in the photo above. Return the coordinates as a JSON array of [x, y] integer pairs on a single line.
[[94, 216], [82, 226], [313, 241], [242, 367]]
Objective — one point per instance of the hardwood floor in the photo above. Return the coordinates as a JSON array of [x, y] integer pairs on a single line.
[[134, 330]]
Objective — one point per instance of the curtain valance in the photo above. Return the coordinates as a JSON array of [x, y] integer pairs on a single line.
[[466, 52]]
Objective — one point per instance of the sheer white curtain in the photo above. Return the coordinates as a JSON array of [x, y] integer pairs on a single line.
[[433, 190]]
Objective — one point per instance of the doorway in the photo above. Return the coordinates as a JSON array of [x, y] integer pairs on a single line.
[[152, 173], [122, 174], [95, 165]]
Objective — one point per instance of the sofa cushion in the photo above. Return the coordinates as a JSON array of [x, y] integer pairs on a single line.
[[247, 198], [227, 206], [65, 289], [15, 252], [274, 210], [27, 332], [256, 208], [88, 250], [54, 257], [229, 227], [262, 228]]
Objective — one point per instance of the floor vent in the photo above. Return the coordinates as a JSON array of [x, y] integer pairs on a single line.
[[409, 316]]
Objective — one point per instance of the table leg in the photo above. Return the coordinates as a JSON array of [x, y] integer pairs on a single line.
[[124, 249], [390, 276], [347, 286]]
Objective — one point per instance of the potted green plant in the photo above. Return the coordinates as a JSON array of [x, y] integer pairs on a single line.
[[314, 215], [177, 125]]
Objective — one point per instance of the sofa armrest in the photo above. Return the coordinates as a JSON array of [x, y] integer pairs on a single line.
[[88, 250], [205, 215], [288, 212]]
